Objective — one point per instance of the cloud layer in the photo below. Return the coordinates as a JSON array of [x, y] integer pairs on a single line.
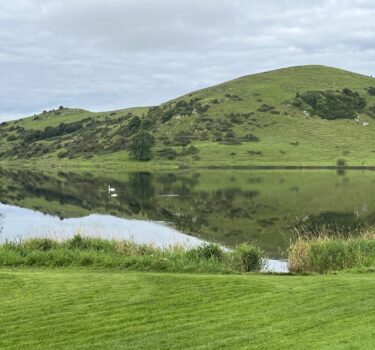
[[108, 54]]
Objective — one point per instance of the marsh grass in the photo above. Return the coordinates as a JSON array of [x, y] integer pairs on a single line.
[[324, 253], [81, 251]]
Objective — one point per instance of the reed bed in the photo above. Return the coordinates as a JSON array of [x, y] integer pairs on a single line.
[[81, 251], [326, 252]]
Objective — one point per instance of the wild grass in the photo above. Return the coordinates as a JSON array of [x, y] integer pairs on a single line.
[[81, 251], [326, 253]]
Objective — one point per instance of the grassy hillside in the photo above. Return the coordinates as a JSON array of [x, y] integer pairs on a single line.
[[88, 309], [308, 115]]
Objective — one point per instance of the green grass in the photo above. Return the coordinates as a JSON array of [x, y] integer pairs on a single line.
[[332, 253], [93, 309], [287, 138], [80, 251]]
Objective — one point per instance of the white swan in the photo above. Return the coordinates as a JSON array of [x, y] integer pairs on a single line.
[[111, 189]]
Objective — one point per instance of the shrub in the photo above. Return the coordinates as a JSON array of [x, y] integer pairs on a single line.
[[189, 151], [249, 138], [168, 153], [132, 127], [230, 141], [249, 257], [148, 123], [341, 162], [235, 118], [12, 137], [371, 90], [265, 108], [182, 138]]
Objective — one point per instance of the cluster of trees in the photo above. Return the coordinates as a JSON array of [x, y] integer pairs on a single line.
[[331, 104], [135, 138], [30, 136]]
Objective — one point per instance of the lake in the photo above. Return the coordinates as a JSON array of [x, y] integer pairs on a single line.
[[184, 207]]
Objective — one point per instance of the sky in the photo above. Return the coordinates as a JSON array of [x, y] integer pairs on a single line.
[[112, 54]]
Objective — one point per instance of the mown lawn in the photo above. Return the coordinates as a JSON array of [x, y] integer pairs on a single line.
[[93, 309]]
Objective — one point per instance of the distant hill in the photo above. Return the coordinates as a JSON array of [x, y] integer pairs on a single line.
[[303, 116]]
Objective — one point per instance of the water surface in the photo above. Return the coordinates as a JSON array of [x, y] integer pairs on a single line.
[[185, 207]]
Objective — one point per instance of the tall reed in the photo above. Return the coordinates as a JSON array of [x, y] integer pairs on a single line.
[[323, 253], [127, 255]]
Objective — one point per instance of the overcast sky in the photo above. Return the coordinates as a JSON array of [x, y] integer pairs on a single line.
[[110, 54]]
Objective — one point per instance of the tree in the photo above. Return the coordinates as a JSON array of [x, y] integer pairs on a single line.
[[140, 146]]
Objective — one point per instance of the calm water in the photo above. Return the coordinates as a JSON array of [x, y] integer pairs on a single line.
[[185, 208]]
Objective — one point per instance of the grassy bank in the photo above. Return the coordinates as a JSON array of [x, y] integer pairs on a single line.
[[126, 255], [91, 309], [320, 254], [326, 253]]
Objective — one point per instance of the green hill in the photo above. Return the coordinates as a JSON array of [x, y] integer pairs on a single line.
[[302, 116]]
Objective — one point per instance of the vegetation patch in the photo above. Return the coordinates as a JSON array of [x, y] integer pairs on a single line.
[[331, 104], [371, 90], [83, 251], [265, 108], [325, 253], [140, 146]]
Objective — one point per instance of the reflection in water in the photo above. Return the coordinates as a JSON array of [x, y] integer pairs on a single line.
[[228, 207], [36, 224]]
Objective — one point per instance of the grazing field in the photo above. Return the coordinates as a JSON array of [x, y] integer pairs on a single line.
[[93, 309]]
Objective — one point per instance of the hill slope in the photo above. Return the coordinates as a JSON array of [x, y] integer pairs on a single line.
[[308, 115]]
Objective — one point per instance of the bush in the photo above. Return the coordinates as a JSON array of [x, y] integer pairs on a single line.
[[182, 138], [371, 90], [341, 162], [189, 151], [168, 153], [249, 257], [12, 138], [265, 108], [132, 127], [249, 138]]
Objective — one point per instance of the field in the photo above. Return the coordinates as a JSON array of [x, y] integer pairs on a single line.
[[250, 121], [93, 309]]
